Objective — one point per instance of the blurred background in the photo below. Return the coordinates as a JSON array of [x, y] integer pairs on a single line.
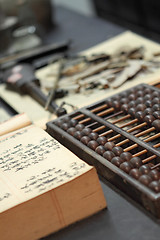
[[24, 23]]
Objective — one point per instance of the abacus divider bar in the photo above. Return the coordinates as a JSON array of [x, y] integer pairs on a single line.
[[146, 160]]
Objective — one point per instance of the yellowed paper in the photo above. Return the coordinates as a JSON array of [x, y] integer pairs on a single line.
[[31, 163], [14, 123]]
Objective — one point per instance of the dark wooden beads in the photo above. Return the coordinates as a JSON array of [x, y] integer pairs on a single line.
[[79, 127], [92, 144], [136, 162], [145, 179], [101, 140], [154, 174], [126, 167], [156, 124], [116, 161], [100, 150], [144, 169], [117, 151], [93, 135], [108, 155], [109, 146], [85, 140], [135, 173], [155, 186], [71, 131], [126, 156], [86, 131]]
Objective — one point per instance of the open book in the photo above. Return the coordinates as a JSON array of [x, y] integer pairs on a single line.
[[43, 186]]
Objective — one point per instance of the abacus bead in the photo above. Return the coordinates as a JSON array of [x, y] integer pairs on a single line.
[[148, 91], [126, 156], [117, 151], [79, 127], [156, 94], [156, 107], [102, 140], [132, 111], [66, 119], [100, 150], [154, 174], [156, 124], [149, 119], [148, 103], [156, 100], [135, 173], [86, 131], [140, 93], [92, 144], [132, 97], [148, 111], [65, 126], [109, 102], [147, 97], [132, 104], [116, 161], [125, 108], [85, 140], [145, 179], [155, 186], [156, 114], [124, 94], [93, 135], [123, 100], [73, 122], [108, 155], [126, 167], [109, 146], [116, 105], [78, 135], [140, 107], [139, 100], [71, 131], [136, 162], [139, 115], [144, 169], [59, 122]]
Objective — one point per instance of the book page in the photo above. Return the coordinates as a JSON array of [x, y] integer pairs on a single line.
[[14, 123], [31, 163]]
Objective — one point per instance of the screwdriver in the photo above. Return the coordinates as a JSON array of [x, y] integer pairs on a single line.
[[21, 78]]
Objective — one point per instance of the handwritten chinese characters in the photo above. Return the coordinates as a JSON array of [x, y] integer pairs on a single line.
[[22, 155], [51, 177]]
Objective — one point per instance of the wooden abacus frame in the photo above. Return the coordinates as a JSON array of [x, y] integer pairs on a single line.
[[135, 189]]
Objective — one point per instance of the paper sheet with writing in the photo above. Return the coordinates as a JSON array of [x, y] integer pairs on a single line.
[[31, 163]]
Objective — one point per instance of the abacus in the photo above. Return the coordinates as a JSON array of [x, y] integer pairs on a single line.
[[120, 136]]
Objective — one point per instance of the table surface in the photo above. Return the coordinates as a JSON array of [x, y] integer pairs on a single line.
[[124, 219]]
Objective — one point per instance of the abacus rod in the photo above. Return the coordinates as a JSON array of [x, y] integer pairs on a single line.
[[146, 140], [157, 165], [146, 160], [93, 110], [98, 114], [137, 135]]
